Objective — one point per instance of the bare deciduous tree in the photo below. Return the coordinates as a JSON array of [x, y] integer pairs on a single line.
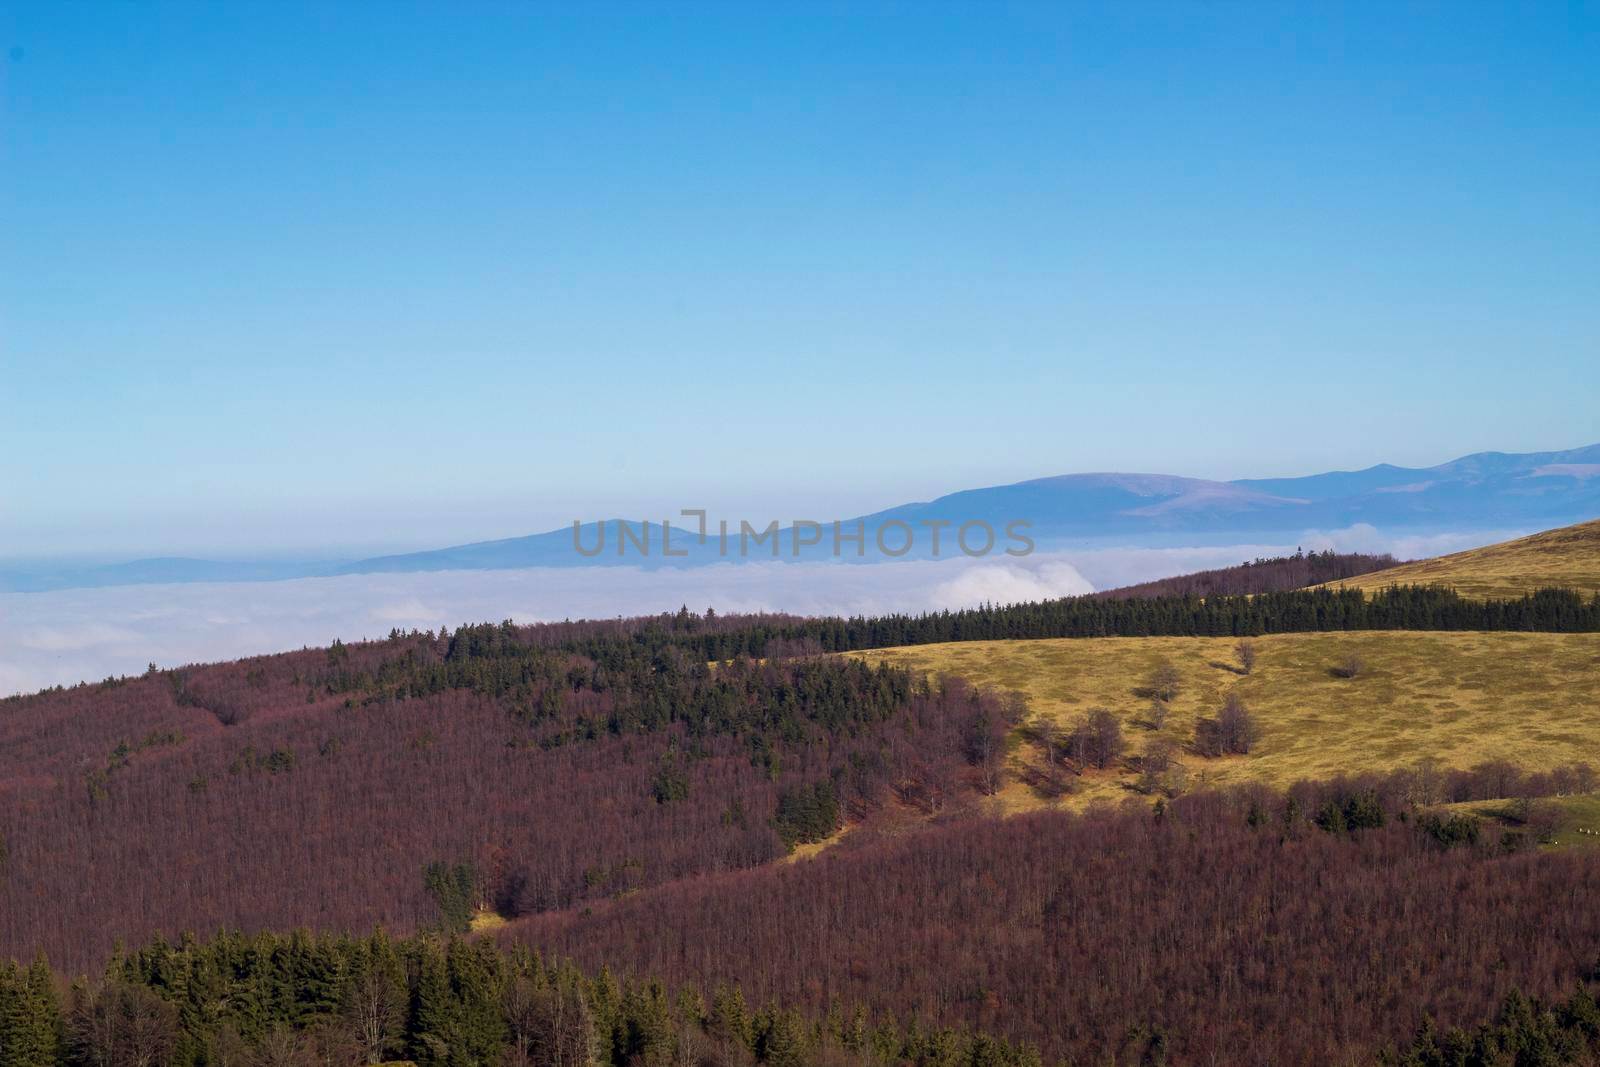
[[1165, 681], [228, 1049], [1050, 777], [375, 1012], [282, 1047], [687, 1048], [1047, 735], [986, 747], [1245, 650], [568, 1038], [1233, 732], [520, 1003], [1096, 739], [1160, 771], [118, 1025], [1427, 782], [1350, 666], [1157, 716]]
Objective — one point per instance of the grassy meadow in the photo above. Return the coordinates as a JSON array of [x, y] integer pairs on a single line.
[[1459, 698], [1567, 557], [1580, 818]]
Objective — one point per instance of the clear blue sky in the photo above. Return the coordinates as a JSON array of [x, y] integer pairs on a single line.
[[288, 275]]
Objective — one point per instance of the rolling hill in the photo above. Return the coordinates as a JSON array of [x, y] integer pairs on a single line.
[[1567, 557], [623, 793]]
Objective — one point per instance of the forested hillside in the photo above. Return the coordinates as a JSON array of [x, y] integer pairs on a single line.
[[1245, 927], [556, 763], [1326, 926], [532, 777], [1270, 575], [619, 790]]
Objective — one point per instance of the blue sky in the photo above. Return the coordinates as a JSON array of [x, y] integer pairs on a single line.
[[290, 277]]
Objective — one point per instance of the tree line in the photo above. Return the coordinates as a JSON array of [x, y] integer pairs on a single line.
[[303, 1000], [1411, 607], [307, 1000]]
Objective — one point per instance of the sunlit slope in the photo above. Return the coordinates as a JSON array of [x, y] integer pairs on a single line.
[[1569, 557], [1458, 698]]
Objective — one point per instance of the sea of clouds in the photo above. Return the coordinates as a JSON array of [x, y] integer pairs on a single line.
[[68, 636]]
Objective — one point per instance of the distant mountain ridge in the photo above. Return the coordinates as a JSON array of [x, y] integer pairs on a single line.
[[1502, 470], [1485, 490]]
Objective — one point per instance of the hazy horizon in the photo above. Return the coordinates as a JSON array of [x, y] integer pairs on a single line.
[[73, 635], [435, 528]]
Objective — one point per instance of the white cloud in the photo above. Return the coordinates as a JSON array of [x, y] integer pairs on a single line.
[[1009, 584], [73, 637], [86, 634], [405, 613]]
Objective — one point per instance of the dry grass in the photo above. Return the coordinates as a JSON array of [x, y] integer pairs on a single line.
[[1461, 698], [1568, 557], [485, 919], [808, 849]]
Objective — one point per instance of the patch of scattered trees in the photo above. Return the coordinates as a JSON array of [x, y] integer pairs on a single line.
[[1161, 772], [1096, 739], [453, 888], [808, 813], [1233, 731]]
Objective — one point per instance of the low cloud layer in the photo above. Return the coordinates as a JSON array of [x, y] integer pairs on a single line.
[[87, 634]]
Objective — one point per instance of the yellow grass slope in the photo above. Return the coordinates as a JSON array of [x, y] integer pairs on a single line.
[[1568, 557], [1459, 698]]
